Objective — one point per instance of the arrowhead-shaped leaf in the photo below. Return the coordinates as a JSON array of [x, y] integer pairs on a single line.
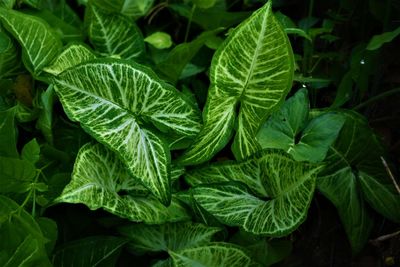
[[289, 185], [217, 254], [290, 129], [167, 237], [72, 55], [354, 163], [253, 67], [114, 100], [100, 180], [113, 34], [40, 44]]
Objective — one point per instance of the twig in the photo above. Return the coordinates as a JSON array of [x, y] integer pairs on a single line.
[[390, 174], [382, 238]]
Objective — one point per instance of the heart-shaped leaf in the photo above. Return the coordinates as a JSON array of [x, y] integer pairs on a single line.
[[290, 129], [253, 68], [167, 237], [115, 100], [101, 180], [289, 185], [113, 34], [40, 44]]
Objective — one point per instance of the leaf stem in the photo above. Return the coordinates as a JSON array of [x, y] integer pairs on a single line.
[[377, 97], [189, 23], [390, 175]]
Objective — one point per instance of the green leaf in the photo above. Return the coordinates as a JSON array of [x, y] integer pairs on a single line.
[[39, 43], [176, 60], [49, 230], [72, 55], [167, 237], [290, 130], [101, 180], [9, 56], [91, 251], [204, 3], [378, 40], [130, 8], [341, 188], [113, 34], [114, 100], [289, 185], [354, 164], [8, 134], [160, 40], [217, 254], [22, 242], [45, 118], [31, 152], [15, 175], [254, 67], [7, 3]]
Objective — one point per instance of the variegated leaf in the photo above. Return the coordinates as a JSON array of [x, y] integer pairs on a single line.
[[114, 100], [113, 34], [72, 55], [129, 8], [219, 117], [40, 44], [9, 56], [290, 187], [167, 237], [216, 254], [254, 67], [248, 172], [100, 180]]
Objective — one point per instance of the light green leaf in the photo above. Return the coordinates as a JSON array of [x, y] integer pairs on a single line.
[[248, 172], [167, 237], [217, 254], [22, 242], [101, 180], [113, 99], [31, 152], [289, 185], [113, 34], [39, 43], [9, 57], [354, 161], [15, 175], [378, 40], [7, 3], [130, 8], [72, 55], [160, 40], [253, 67], [91, 251], [290, 130], [8, 134]]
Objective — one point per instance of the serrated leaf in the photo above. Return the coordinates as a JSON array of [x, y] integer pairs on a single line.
[[8, 134], [217, 254], [130, 8], [354, 161], [22, 242], [102, 250], [101, 180], [289, 185], [39, 43], [290, 129], [113, 99], [253, 67], [113, 34], [167, 237], [72, 55]]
